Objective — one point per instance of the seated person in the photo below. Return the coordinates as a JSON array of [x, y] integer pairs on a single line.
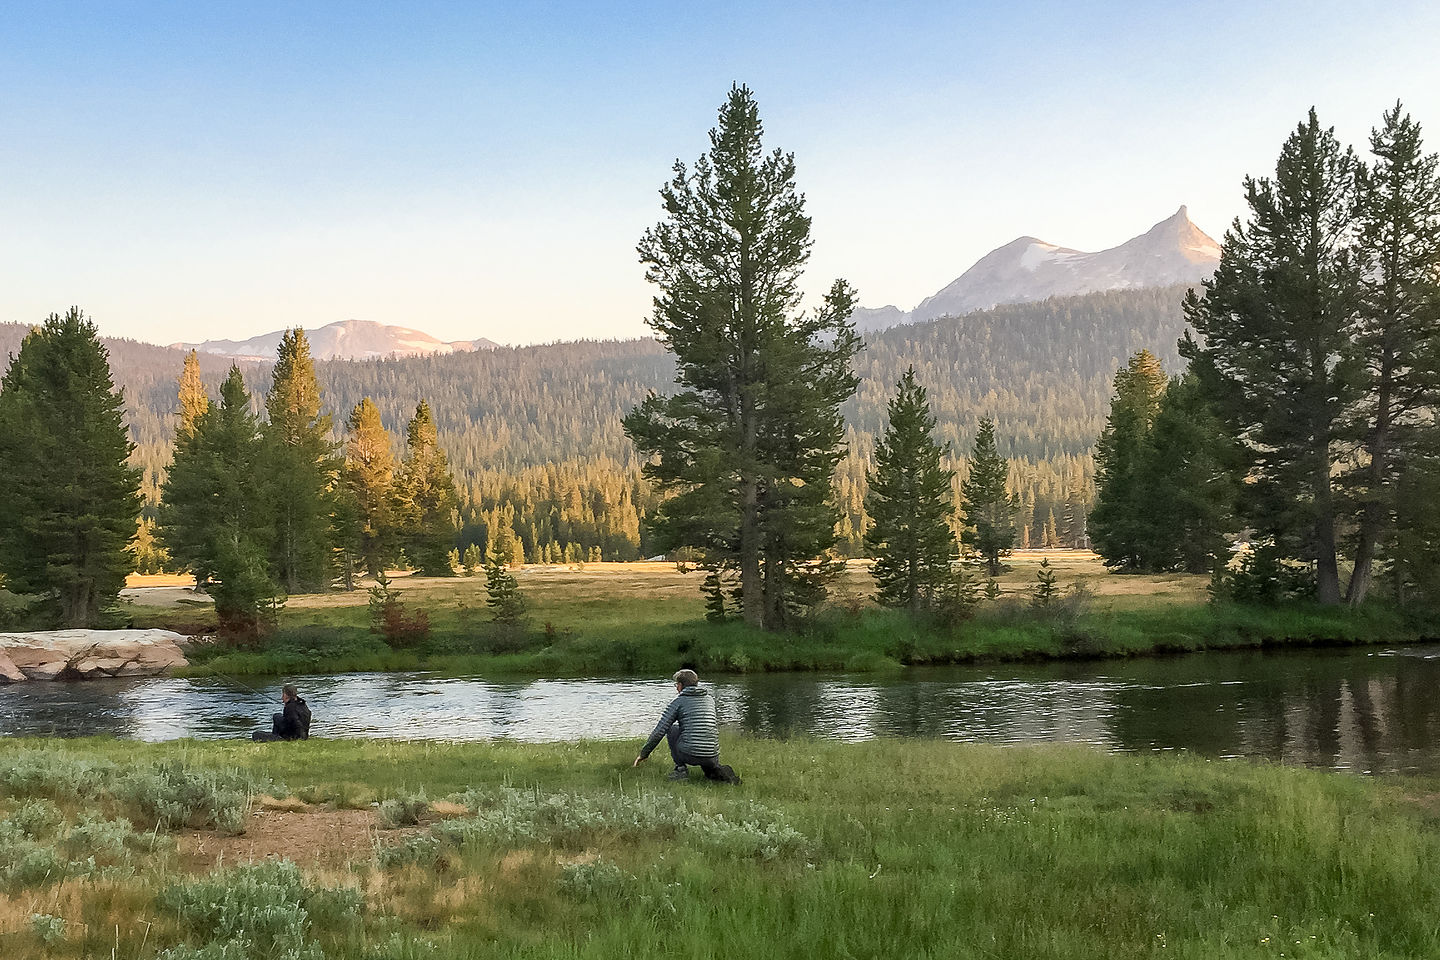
[[690, 726], [292, 723]]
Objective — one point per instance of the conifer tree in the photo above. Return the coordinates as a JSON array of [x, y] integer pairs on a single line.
[[471, 560], [1277, 321], [1186, 483], [369, 478], [747, 446], [1045, 591], [503, 595], [427, 497], [69, 498], [215, 513], [989, 510], [193, 398], [302, 467], [1397, 339], [910, 506], [1118, 522]]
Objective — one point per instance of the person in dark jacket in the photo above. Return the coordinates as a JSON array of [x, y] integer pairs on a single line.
[[691, 728], [292, 723]]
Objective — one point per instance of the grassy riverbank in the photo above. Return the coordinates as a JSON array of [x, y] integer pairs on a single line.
[[614, 619], [885, 849]]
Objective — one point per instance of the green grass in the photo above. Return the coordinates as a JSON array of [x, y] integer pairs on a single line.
[[648, 618], [863, 641], [884, 849]]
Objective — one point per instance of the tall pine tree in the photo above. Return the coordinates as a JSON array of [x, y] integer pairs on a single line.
[[426, 493], [69, 498], [302, 467], [1277, 320], [1184, 485], [910, 505], [1118, 523], [989, 510], [369, 479], [1397, 339], [747, 446], [215, 512]]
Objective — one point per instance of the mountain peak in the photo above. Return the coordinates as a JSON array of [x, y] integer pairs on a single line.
[[343, 340], [1028, 268]]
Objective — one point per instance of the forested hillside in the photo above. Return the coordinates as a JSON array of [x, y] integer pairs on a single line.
[[533, 433]]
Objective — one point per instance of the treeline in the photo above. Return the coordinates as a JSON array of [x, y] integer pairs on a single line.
[[1305, 420], [534, 433]]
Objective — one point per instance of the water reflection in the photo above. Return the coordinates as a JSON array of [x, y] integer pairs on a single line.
[[1365, 711]]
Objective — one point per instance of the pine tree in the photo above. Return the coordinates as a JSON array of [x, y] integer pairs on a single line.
[[1046, 592], [1277, 320], [1117, 523], [1396, 339], [1186, 482], [989, 510], [910, 506], [747, 446], [302, 467], [506, 602], [369, 478], [471, 560], [215, 512], [69, 499], [427, 492], [193, 399], [147, 555]]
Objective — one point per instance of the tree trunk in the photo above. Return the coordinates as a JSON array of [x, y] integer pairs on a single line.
[[752, 590], [1327, 567], [1373, 519]]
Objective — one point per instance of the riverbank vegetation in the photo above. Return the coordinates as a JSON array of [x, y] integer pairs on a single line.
[[618, 619], [371, 849]]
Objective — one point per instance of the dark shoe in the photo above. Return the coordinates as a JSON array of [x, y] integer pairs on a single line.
[[723, 773], [679, 773]]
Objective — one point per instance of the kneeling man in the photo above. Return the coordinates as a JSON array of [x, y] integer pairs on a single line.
[[692, 729]]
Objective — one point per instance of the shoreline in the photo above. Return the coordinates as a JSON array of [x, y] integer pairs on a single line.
[[873, 642]]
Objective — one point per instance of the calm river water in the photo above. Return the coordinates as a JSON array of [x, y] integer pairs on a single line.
[[1370, 710]]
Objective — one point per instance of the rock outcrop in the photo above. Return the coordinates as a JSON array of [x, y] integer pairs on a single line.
[[88, 654]]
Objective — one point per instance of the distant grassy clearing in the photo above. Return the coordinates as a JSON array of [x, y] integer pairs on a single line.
[[884, 849]]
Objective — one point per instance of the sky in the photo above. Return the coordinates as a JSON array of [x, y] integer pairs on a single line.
[[187, 171]]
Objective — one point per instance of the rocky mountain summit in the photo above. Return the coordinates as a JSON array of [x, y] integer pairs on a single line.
[[343, 340], [1028, 269]]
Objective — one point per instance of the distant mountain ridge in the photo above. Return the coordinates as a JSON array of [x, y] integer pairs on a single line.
[[343, 340], [1027, 269]]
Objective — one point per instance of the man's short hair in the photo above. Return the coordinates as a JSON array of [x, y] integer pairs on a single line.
[[289, 690], [686, 678]]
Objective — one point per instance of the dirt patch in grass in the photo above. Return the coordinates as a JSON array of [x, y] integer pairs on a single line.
[[313, 837]]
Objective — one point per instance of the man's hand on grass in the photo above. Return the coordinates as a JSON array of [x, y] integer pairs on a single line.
[[638, 761]]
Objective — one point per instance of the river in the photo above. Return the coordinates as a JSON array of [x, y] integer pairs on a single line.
[[1369, 710]]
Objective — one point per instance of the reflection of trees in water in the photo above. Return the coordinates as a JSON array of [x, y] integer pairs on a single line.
[[776, 706], [1339, 711]]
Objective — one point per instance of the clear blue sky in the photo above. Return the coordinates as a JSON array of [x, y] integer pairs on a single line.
[[191, 170]]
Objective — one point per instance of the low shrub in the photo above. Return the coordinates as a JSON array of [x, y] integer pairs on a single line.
[[262, 910], [403, 811]]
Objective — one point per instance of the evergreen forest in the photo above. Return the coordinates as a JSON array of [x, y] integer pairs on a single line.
[[533, 434]]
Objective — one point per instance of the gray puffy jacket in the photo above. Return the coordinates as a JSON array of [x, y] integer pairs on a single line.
[[694, 708]]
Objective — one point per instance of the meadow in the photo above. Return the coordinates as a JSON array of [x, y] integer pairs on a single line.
[[375, 849], [610, 619]]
